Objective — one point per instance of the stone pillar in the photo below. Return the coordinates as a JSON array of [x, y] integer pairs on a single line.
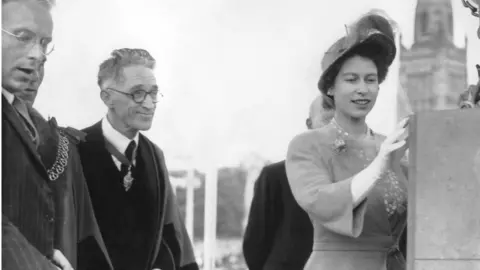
[[444, 191]]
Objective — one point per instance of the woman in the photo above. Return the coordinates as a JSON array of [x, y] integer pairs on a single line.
[[350, 180]]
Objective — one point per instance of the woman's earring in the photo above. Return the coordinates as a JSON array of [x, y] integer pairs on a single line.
[[329, 93]]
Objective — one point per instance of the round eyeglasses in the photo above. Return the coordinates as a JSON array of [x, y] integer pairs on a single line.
[[139, 96], [29, 39]]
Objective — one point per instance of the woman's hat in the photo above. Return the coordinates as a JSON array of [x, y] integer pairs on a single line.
[[372, 30]]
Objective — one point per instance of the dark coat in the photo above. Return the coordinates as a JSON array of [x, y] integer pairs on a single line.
[[48, 214], [18, 253], [170, 246], [279, 234]]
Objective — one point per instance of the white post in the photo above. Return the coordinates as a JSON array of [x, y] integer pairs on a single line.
[[189, 205], [210, 224]]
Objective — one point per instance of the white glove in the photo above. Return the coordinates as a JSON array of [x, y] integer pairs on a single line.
[[61, 261]]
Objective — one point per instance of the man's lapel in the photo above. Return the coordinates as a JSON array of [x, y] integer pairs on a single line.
[[97, 160], [11, 116], [48, 139], [153, 178]]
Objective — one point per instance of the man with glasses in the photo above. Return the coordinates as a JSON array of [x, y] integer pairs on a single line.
[[46, 208], [471, 97], [127, 178]]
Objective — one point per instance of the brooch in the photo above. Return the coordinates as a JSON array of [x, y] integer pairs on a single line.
[[339, 145]]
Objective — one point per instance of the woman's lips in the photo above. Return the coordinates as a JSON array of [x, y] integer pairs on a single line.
[[361, 101]]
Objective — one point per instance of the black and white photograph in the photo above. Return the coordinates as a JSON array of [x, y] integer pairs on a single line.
[[240, 135]]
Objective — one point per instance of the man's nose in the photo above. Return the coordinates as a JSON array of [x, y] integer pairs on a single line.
[[149, 103], [37, 53]]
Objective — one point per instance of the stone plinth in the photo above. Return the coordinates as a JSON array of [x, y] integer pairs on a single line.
[[444, 191]]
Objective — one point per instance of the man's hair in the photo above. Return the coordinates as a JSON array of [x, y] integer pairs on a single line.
[[112, 68], [317, 108], [46, 3], [314, 106]]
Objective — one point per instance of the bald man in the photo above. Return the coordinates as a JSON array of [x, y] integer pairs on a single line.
[[279, 233], [317, 115]]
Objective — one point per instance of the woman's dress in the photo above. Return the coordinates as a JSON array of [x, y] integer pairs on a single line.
[[320, 166]]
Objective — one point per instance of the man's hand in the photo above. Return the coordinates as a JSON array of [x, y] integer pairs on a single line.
[[61, 261]]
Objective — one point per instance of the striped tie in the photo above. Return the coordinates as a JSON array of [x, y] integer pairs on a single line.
[[127, 170], [22, 110]]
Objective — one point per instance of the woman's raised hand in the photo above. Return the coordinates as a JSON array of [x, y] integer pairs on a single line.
[[396, 143]]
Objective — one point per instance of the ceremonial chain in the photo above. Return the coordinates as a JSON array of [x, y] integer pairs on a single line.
[[61, 160]]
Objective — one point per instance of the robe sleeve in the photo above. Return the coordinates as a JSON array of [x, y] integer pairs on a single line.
[[185, 251], [263, 220], [329, 202], [174, 231], [18, 253], [91, 249]]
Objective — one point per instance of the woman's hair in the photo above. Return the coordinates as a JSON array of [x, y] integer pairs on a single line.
[[112, 68], [369, 51]]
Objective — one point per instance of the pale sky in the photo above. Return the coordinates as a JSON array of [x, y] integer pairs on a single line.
[[238, 75]]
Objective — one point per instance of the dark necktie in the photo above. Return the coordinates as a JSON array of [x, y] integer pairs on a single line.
[[128, 169], [22, 110]]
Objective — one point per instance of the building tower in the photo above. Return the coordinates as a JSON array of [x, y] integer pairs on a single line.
[[433, 72]]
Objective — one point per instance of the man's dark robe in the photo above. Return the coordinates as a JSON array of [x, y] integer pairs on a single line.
[[18, 253], [167, 245], [279, 234], [49, 214]]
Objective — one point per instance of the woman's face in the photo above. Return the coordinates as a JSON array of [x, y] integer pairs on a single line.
[[356, 87]]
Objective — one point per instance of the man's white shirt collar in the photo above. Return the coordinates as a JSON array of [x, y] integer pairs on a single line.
[[9, 96], [118, 140]]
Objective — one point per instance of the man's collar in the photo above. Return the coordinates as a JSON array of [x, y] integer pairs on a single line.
[[9, 96], [118, 140]]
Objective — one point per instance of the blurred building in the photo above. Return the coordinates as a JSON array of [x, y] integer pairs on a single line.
[[433, 71]]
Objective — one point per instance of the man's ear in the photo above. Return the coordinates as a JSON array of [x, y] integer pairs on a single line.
[[106, 98]]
